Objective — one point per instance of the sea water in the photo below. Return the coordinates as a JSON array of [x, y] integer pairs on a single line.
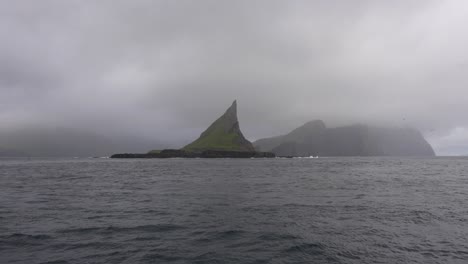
[[325, 210]]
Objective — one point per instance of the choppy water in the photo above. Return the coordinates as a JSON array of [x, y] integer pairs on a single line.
[[330, 210]]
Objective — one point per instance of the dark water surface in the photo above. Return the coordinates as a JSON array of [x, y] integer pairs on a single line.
[[330, 210]]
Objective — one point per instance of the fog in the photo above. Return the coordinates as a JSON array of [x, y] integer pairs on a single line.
[[164, 70]]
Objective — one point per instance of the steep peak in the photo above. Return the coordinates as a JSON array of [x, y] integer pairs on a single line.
[[231, 113], [223, 134]]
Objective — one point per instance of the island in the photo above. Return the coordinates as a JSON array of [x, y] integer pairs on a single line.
[[314, 138], [222, 139]]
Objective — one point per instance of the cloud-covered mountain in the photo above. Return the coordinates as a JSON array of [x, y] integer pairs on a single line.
[[64, 142], [315, 139]]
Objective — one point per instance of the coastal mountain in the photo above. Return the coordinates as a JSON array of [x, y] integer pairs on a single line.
[[315, 139], [223, 135]]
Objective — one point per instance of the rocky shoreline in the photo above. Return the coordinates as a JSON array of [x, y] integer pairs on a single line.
[[180, 153]]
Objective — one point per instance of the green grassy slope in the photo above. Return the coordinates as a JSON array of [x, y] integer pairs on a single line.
[[223, 134], [216, 139]]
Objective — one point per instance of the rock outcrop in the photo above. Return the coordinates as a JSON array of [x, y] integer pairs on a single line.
[[223, 135], [222, 139], [180, 153], [315, 139]]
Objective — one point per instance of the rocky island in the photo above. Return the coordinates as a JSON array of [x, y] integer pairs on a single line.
[[222, 139]]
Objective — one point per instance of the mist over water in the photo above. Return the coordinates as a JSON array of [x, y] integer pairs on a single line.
[[326, 210]]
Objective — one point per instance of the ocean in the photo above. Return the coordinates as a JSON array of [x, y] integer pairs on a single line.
[[324, 210]]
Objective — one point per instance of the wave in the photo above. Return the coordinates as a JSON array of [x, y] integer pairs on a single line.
[[26, 236], [309, 248], [114, 229]]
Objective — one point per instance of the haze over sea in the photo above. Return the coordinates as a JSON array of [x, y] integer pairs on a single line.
[[325, 210]]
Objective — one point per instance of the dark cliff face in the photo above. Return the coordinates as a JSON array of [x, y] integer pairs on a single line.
[[223, 135], [314, 139], [400, 142]]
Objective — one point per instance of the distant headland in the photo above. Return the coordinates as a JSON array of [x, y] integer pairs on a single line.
[[315, 139]]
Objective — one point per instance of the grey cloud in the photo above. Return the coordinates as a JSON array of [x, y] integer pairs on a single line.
[[165, 69]]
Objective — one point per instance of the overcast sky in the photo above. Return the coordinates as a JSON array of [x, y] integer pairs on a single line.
[[167, 69]]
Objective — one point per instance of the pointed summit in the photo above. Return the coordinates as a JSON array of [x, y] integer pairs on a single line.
[[224, 134]]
